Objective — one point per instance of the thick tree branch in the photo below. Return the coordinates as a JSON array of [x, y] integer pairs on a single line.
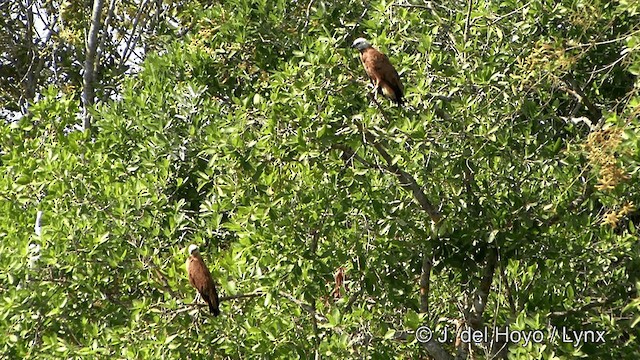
[[427, 263], [436, 351], [88, 78], [479, 301], [407, 181], [434, 348]]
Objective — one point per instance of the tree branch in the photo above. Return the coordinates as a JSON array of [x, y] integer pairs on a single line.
[[579, 94], [88, 78], [467, 22], [436, 351], [407, 181], [577, 202], [482, 294], [353, 298], [581, 310], [193, 305], [240, 296], [479, 303], [508, 292], [428, 6], [308, 308], [427, 263], [131, 43]]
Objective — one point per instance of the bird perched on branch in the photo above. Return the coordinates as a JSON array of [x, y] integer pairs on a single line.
[[200, 278], [383, 75]]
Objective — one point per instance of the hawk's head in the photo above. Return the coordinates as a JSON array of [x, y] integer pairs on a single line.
[[361, 44]]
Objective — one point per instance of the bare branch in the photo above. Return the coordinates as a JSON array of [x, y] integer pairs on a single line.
[[581, 310], [356, 23], [501, 17], [575, 204], [508, 292], [133, 37], [482, 294], [88, 78], [625, 37], [351, 154], [107, 23]]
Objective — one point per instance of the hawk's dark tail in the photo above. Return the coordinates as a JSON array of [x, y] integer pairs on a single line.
[[213, 304], [214, 310], [399, 96]]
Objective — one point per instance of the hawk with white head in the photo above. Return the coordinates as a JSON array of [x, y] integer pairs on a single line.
[[383, 75], [200, 278]]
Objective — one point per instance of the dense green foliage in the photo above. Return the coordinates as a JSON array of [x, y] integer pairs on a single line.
[[254, 137]]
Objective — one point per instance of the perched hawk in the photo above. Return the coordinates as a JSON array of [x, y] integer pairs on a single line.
[[383, 75], [200, 278]]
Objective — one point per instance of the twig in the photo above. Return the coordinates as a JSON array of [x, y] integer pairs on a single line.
[[499, 18], [351, 154], [580, 310], [308, 11], [414, 6], [131, 43], [621, 38], [241, 296], [350, 33]]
